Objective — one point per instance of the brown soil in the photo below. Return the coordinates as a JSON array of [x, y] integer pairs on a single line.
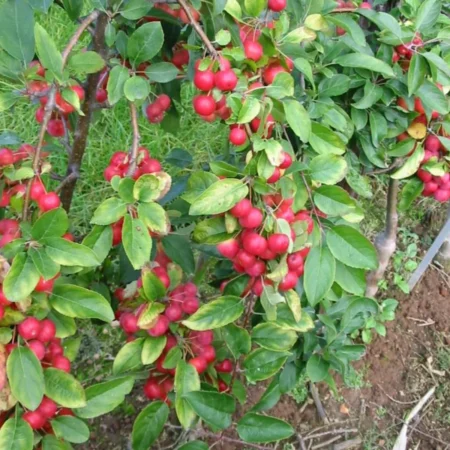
[[399, 370]]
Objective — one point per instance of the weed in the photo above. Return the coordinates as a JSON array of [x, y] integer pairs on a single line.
[[300, 391]]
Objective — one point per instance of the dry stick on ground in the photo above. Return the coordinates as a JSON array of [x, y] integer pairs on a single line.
[[198, 29], [136, 138], [50, 106], [326, 433], [386, 241], [82, 130], [319, 406], [351, 443], [325, 444]]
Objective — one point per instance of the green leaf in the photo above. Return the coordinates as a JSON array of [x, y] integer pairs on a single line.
[[50, 442], [153, 286], [432, 97], [350, 247], [49, 56], [216, 314], [136, 88], [221, 168], [86, 62], [79, 302], [7, 100], [21, 279], [152, 187], [103, 398], [194, 445], [317, 368], [129, 357], [16, 30], [281, 87], [350, 25], [67, 253], [262, 364], [135, 9], [73, 8], [412, 189], [428, 14], [411, 165], [25, 376], [249, 110], [136, 241], [362, 61], [304, 66], [152, 349], [161, 72], [65, 326], [211, 231], [320, 270], [237, 339], [71, 429], [298, 119], [50, 224], [198, 183], [178, 249], [44, 265], [324, 141], [110, 211], [116, 82], [16, 434], [64, 388], [100, 241], [145, 43], [328, 169], [262, 429], [219, 197], [333, 200], [272, 337], [149, 425], [437, 62], [350, 279], [172, 358], [214, 408], [332, 87], [372, 93], [180, 158], [293, 301], [416, 73], [254, 7], [148, 315], [186, 380]]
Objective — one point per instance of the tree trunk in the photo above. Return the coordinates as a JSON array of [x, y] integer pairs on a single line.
[[84, 122], [386, 241]]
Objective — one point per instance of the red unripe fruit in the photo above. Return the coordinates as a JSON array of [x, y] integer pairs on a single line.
[[253, 50], [78, 90], [365, 5], [110, 172], [275, 176], [228, 249], [47, 202], [5, 199], [402, 137], [101, 95], [226, 80], [254, 244], [39, 114], [3, 300], [64, 107], [225, 366], [45, 285], [180, 58], [170, 343], [242, 208], [340, 31], [35, 419], [190, 288], [173, 312], [294, 261], [151, 166], [257, 269], [268, 255], [47, 408], [269, 125], [204, 105], [199, 363], [162, 275], [286, 214], [203, 338], [65, 412], [167, 385], [418, 106], [238, 136], [289, 282], [40, 70], [442, 195], [278, 243], [277, 5], [47, 332], [430, 188], [37, 189], [287, 161], [245, 259], [10, 347], [209, 353], [164, 101], [432, 143], [435, 115], [153, 390], [421, 119], [38, 348], [68, 237], [223, 387], [62, 363], [160, 328], [424, 175], [395, 57], [117, 233], [153, 110], [253, 219], [29, 328], [224, 63], [129, 323], [303, 216], [271, 72], [190, 305], [204, 80], [54, 349], [6, 157]]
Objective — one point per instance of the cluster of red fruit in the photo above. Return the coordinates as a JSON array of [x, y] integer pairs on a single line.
[[181, 302], [403, 53], [44, 200], [156, 111], [435, 151], [250, 251], [342, 4]]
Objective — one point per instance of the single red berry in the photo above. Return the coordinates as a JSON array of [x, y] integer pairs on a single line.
[[129, 323], [209, 353], [37, 189], [101, 95], [226, 80], [6, 157], [257, 269], [35, 419], [153, 390], [228, 249], [38, 348], [45, 285], [238, 136], [160, 328], [61, 362], [164, 101], [47, 331], [277, 5], [289, 282], [253, 50], [278, 243], [432, 143], [49, 201], [174, 312], [47, 408], [190, 305], [242, 208], [200, 364], [204, 80], [287, 161], [204, 105], [275, 176], [271, 72], [253, 219], [226, 366], [29, 328], [254, 244]]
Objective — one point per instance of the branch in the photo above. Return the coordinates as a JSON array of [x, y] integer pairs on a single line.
[[397, 163], [136, 138], [198, 29], [319, 406], [234, 441], [73, 176]]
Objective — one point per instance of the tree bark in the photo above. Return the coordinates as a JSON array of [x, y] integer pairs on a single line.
[[443, 257], [84, 122], [386, 241]]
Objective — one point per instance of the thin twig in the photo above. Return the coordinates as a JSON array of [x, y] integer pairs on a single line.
[[301, 441], [319, 406], [68, 179], [393, 399], [136, 138], [326, 443], [235, 441], [348, 444], [397, 163], [198, 29], [326, 433]]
